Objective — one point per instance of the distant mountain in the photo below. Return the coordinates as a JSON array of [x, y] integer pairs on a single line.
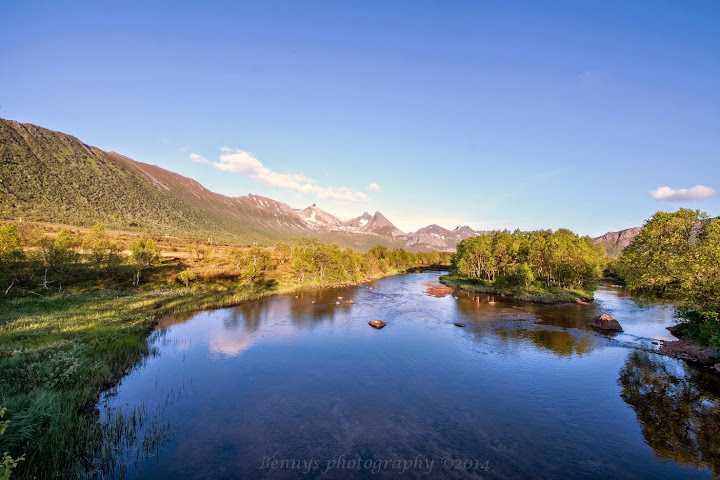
[[435, 237], [320, 219], [377, 224], [50, 176], [615, 242]]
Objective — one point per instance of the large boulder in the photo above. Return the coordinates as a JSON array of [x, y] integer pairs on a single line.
[[606, 322]]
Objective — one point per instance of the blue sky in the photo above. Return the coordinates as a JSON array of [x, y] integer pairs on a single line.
[[488, 113]]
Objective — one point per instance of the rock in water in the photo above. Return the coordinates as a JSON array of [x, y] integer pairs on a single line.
[[458, 324], [377, 324], [606, 322]]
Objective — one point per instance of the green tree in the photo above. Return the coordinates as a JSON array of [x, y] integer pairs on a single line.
[[57, 255], [253, 262], [283, 252], [660, 257], [102, 253], [143, 254], [677, 255], [11, 255]]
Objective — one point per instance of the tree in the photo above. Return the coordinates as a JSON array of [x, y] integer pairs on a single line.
[[102, 253], [283, 252], [143, 254], [11, 254], [253, 262], [678, 255], [659, 258], [57, 256], [519, 259]]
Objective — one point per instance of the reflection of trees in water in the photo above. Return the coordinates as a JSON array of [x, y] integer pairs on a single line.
[[678, 411], [559, 342], [250, 314]]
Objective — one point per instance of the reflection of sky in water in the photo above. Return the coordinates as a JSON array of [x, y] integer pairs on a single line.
[[530, 388]]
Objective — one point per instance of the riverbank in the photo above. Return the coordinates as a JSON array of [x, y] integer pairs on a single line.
[[530, 294], [60, 351]]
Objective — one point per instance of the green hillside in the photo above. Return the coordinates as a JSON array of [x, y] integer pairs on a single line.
[[50, 176]]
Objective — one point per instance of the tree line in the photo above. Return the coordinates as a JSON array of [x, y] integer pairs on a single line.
[[542, 258], [34, 261]]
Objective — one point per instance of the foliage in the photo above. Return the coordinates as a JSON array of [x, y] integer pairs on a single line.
[[252, 263], [102, 253], [57, 256], [282, 251], [11, 255], [187, 276], [560, 260], [677, 255], [7, 463], [143, 254]]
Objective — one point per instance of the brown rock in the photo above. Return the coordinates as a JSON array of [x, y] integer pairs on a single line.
[[377, 324], [606, 322], [706, 356], [458, 324], [676, 330]]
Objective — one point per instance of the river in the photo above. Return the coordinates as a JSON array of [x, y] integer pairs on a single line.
[[303, 387]]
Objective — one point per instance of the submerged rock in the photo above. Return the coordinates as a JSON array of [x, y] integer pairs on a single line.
[[377, 324], [606, 322]]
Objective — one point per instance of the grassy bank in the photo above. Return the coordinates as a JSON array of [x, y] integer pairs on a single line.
[[59, 351], [530, 294]]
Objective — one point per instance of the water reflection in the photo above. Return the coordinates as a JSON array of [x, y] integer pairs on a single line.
[[677, 408], [306, 377], [559, 342]]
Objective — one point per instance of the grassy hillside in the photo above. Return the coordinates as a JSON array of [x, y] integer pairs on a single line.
[[48, 176]]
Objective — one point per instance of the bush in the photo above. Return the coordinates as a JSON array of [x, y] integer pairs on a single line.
[[186, 276]]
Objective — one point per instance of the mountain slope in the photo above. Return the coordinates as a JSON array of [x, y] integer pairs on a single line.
[[50, 176], [615, 242], [54, 177]]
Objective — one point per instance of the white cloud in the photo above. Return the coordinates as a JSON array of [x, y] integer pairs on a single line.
[[374, 186], [225, 149], [697, 192], [198, 158], [245, 163]]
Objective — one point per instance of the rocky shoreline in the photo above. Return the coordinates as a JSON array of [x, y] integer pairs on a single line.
[[686, 349]]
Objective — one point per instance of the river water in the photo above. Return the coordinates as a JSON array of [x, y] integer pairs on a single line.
[[301, 387]]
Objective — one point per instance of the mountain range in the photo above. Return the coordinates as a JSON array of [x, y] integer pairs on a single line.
[[49, 176]]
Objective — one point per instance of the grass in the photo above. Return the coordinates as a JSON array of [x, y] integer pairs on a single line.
[[533, 293], [60, 351]]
